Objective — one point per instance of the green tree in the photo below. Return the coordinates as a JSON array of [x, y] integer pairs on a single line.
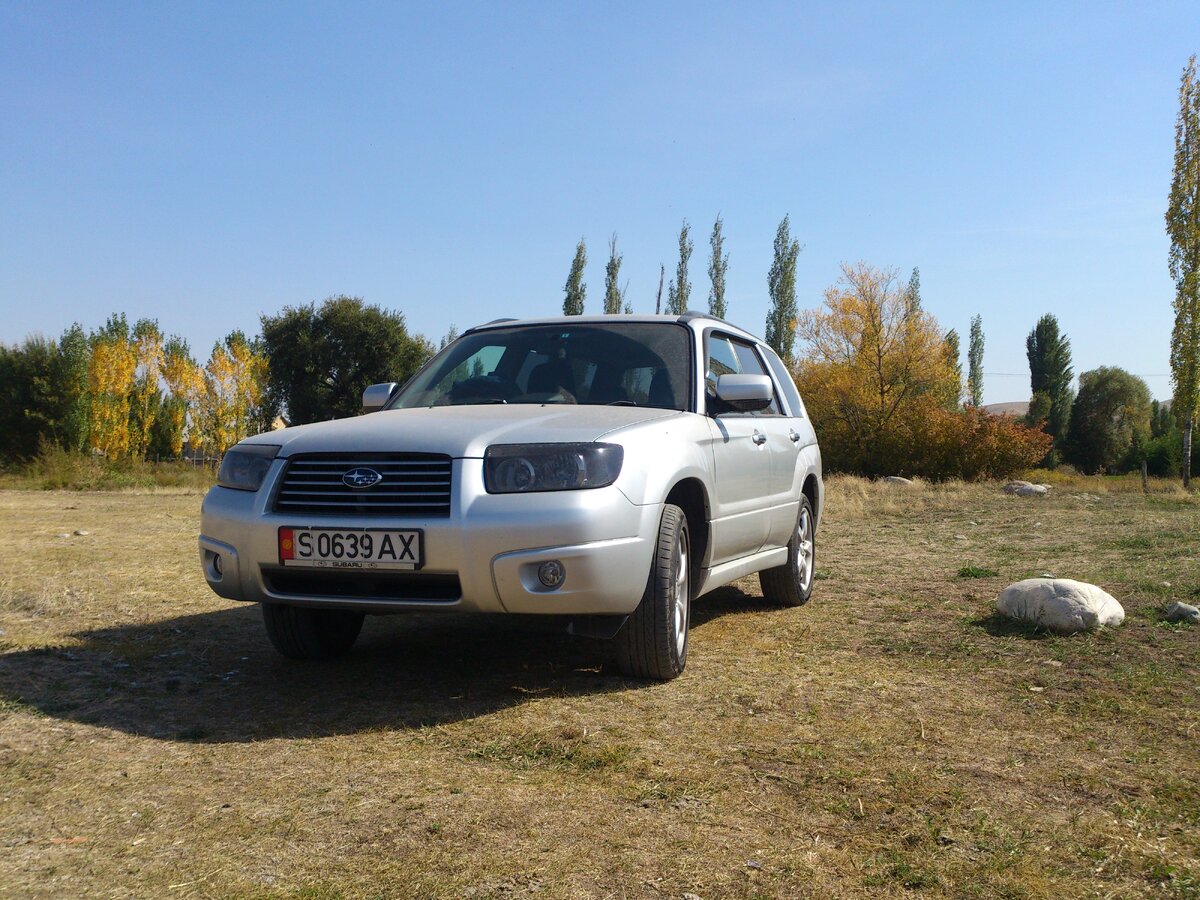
[[912, 293], [781, 286], [953, 355], [70, 379], [679, 291], [718, 266], [614, 297], [1038, 413], [321, 359], [1163, 454], [576, 290], [1050, 373], [975, 363], [26, 418], [1183, 228], [1111, 407]]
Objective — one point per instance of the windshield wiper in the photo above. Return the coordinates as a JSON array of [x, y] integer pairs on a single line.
[[621, 403]]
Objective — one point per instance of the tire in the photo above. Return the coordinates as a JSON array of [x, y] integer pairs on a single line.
[[653, 643], [299, 632], [791, 584]]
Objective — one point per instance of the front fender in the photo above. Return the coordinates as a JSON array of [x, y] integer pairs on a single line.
[[660, 454]]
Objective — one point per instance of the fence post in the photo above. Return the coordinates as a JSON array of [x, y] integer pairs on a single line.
[[1145, 484]]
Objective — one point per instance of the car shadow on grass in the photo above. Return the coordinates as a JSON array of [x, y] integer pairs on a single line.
[[214, 677]]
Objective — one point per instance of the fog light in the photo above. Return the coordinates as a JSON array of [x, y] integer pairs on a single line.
[[552, 573], [218, 566]]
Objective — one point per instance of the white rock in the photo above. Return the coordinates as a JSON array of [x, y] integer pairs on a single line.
[[81, 533], [896, 479], [63, 534], [1026, 489], [1183, 612], [1060, 604]]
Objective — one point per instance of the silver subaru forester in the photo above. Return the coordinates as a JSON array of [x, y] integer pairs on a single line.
[[606, 469]]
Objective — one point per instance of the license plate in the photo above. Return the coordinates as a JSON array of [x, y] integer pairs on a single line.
[[367, 549]]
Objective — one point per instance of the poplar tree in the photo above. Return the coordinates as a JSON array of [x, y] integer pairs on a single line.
[[975, 363], [718, 265], [781, 285], [576, 290], [912, 293], [1050, 373], [613, 295], [679, 291], [1183, 228], [952, 353]]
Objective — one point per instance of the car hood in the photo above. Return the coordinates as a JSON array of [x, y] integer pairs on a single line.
[[459, 431]]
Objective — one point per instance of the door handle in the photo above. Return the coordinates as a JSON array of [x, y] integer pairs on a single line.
[[795, 437], [760, 438]]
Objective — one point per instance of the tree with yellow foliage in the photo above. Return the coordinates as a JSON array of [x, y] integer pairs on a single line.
[[111, 371], [146, 398], [880, 386], [185, 381], [234, 385]]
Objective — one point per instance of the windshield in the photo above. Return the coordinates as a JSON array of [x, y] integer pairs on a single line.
[[627, 364]]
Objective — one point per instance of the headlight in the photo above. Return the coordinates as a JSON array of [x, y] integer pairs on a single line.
[[245, 466], [518, 468]]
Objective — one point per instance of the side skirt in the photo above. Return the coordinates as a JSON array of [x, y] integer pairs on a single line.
[[713, 578]]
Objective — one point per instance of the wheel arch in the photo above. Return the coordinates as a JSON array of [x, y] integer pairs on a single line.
[[812, 491], [690, 495]]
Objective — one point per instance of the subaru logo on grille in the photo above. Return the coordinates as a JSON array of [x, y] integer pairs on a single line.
[[362, 477]]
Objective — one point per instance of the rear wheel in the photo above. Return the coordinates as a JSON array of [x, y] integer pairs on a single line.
[[791, 584], [653, 643], [300, 632]]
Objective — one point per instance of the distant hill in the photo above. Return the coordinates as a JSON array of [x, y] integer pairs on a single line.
[[1019, 408]]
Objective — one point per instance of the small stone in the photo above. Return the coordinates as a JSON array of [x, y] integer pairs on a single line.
[[62, 534], [690, 896], [1183, 612], [754, 864], [1164, 584], [1036, 689], [79, 532]]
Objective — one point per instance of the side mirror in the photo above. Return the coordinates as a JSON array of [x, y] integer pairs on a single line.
[[376, 396], [745, 393]]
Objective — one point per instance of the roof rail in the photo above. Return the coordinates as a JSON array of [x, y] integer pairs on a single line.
[[500, 321], [691, 314]]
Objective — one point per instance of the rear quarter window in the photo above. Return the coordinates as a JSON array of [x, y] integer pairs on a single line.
[[786, 384]]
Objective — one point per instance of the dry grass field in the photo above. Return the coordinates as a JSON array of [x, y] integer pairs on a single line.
[[892, 738]]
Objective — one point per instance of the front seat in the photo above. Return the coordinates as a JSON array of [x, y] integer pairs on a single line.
[[662, 395], [551, 377]]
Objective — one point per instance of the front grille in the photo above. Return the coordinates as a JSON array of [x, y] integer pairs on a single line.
[[397, 587], [413, 484]]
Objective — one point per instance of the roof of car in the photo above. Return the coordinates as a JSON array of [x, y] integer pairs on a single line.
[[687, 317]]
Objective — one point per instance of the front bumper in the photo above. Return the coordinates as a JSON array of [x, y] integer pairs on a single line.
[[491, 543]]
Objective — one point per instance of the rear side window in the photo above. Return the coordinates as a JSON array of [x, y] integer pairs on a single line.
[[786, 384]]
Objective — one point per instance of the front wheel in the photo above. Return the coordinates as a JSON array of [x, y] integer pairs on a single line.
[[653, 643], [300, 632], [791, 584]]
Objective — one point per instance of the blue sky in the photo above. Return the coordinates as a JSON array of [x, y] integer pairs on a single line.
[[204, 163]]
